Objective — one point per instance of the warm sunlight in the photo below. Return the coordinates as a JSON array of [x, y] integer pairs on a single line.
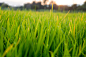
[[68, 2], [58, 2], [64, 2]]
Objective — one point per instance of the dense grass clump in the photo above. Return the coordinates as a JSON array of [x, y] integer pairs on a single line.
[[42, 34]]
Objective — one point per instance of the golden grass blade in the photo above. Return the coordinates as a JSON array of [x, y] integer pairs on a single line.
[[0, 16], [7, 50], [82, 17], [57, 19], [66, 14], [74, 31], [52, 6]]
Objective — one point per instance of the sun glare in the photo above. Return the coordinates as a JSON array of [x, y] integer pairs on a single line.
[[63, 2], [58, 2], [68, 2]]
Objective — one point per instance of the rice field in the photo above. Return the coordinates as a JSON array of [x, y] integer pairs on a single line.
[[42, 34]]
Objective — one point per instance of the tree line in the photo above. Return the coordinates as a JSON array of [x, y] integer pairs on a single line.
[[38, 6]]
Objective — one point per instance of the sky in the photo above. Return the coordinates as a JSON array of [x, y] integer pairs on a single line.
[[58, 2]]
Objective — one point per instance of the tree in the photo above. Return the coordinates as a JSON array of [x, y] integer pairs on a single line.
[[44, 1], [74, 6], [84, 6]]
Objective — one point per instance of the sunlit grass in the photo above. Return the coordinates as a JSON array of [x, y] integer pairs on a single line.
[[42, 34]]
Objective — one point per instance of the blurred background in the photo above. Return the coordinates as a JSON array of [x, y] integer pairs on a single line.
[[58, 5]]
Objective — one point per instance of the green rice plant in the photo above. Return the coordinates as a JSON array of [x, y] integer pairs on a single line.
[[42, 34]]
